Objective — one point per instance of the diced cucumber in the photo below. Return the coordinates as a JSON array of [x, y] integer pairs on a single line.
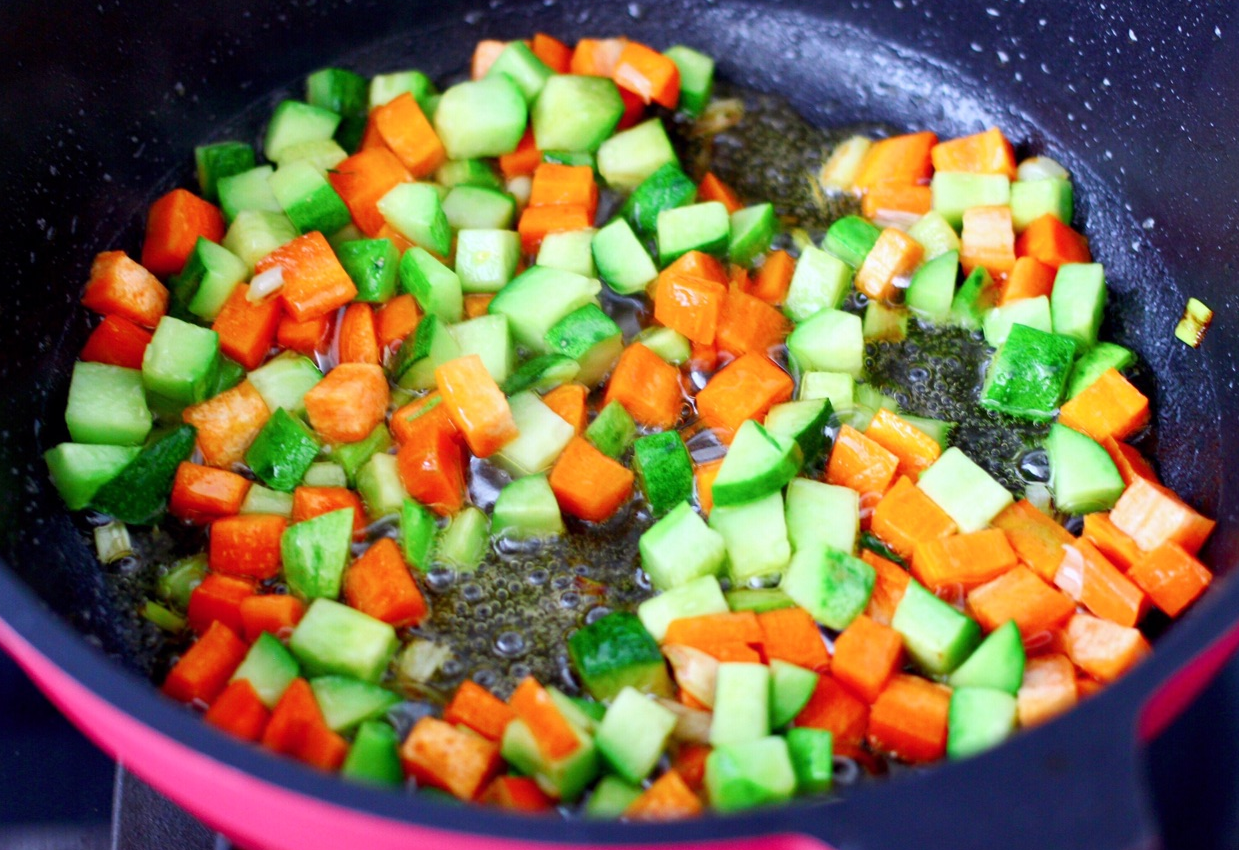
[[107, 405], [465, 541], [702, 227], [468, 172], [380, 488], [319, 154], [851, 238], [805, 422], [681, 547], [1031, 312], [525, 69], [822, 516], [790, 690], [997, 663], [1094, 363], [611, 797], [538, 298], [484, 117], [526, 509], [269, 668], [973, 301], [979, 718], [372, 265], [832, 586], [839, 388], [384, 88], [487, 337], [575, 113], [264, 500], [415, 211], [254, 234], [969, 495], [325, 475], [78, 470], [282, 451], [668, 344], [207, 279], [1031, 199], [957, 191], [633, 734], [294, 121], [632, 155], [353, 456], [336, 639], [570, 250], [565, 778], [308, 199], [373, 757], [541, 374], [616, 652], [667, 188], [758, 600], [831, 341], [178, 583], [578, 158], [347, 702], [1028, 374], [248, 190], [812, 754], [932, 289], [693, 598], [422, 352], [938, 638], [180, 361], [1077, 302], [664, 470], [284, 380], [622, 261], [436, 287], [1083, 477], [696, 78], [138, 494], [479, 208], [220, 160], [417, 534], [935, 234], [755, 534], [315, 553], [344, 93], [750, 774], [820, 281], [612, 430], [741, 704], [752, 230], [543, 437], [757, 464], [590, 337]]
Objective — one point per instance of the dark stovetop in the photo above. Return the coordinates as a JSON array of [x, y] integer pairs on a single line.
[[57, 792]]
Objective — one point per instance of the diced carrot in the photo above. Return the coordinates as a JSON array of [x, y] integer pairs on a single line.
[[738, 277], [965, 560], [1103, 649], [1152, 515], [774, 277], [364, 178], [988, 240], [477, 303], [205, 668], [297, 729], [648, 74], [888, 588], [117, 342], [588, 484], [536, 222], [1036, 538], [358, 341], [395, 320], [370, 139], [480, 710], [567, 185], [835, 709], [892, 259], [748, 324], [890, 196], [860, 463], [568, 402], [516, 794], [484, 55], [314, 281], [311, 502], [1052, 242], [669, 798], [1029, 278], [313, 336], [703, 476], [690, 762], [899, 159], [523, 161], [1120, 549], [239, 712], [689, 701], [791, 635], [422, 415], [554, 53], [1020, 595], [173, 225], [1049, 689], [431, 466], [596, 57], [906, 517], [476, 404], [1089, 578], [689, 305], [712, 632], [1131, 464], [228, 423], [746, 389], [118, 286], [203, 493], [218, 600], [347, 404], [647, 386], [711, 188], [909, 719], [247, 328], [408, 134], [1171, 577], [533, 705], [699, 264], [915, 449], [379, 584], [1086, 686], [634, 110], [1110, 407], [982, 153], [703, 358], [866, 655], [275, 613]]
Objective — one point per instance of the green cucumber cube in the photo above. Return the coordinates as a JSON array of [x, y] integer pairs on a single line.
[[741, 704], [538, 298], [978, 719], [851, 238], [812, 755], [666, 189], [973, 301], [1030, 312], [1029, 373], [616, 652], [758, 600], [487, 337], [372, 264], [346, 702], [294, 122], [680, 547], [1077, 302], [254, 234], [612, 431], [750, 774], [380, 488], [320, 154], [308, 199], [468, 172], [107, 405], [590, 337], [611, 797], [805, 421], [282, 451], [284, 380], [1094, 363], [668, 344], [932, 289], [384, 88], [248, 190], [820, 281], [1083, 477], [699, 227], [138, 494], [937, 637], [1031, 199], [219, 160], [570, 250], [208, 278], [344, 93], [418, 528], [969, 495], [325, 474], [693, 598], [429, 347], [315, 553], [575, 113], [822, 516], [484, 117], [622, 260], [632, 155], [479, 208], [957, 191], [78, 470], [757, 464], [751, 232], [336, 639], [833, 586], [269, 667], [436, 287], [563, 779], [696, 78], [525, 69], [541, 374], [839, 388], [264, 500], [526, 509], [935, 234], [464, 543], [543, 437], [664, 470], [415, 211], [997, 663], [755, 534], [830, 341], [633, 734], [180, 361], [374, 756], [791, 687]]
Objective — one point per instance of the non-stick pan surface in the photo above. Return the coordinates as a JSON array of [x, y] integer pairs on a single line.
[[100, 105]]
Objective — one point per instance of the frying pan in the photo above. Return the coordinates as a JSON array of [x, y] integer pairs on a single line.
[[102, 102]]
